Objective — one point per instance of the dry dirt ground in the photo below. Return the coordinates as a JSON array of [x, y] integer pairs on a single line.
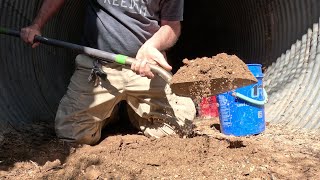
[[123, 153], [277, 153]]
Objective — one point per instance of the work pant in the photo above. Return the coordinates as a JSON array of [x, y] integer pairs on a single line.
[[85, 109]]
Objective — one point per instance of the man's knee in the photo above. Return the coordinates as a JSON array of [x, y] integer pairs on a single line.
[[72, 130], [90, 139], [81, 138]]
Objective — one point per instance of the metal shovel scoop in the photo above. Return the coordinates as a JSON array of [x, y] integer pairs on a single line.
[[183, 89]]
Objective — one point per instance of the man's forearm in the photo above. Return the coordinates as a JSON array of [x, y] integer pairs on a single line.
[[166, 36], [47, 10]]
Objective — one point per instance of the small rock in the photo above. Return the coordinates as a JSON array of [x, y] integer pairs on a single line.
[[92, 173], [252, 168], [51, 165]]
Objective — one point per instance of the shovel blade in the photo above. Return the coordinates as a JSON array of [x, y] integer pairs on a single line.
[[212, 87]]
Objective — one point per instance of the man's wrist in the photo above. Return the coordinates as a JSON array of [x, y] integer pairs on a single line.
[[35, 26], [151, 43]]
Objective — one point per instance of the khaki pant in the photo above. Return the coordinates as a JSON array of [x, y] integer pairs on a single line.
[[85, 109]]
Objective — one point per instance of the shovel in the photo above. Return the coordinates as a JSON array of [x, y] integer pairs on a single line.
[[182, 89]]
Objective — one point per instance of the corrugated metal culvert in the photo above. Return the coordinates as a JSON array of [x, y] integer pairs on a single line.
[[283, 36]]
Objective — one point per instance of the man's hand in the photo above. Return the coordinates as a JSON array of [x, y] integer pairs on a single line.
[[27, 34], [149, 54], [47, 10], [153, 50]]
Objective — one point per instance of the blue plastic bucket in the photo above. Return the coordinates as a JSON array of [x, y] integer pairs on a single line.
[[241, 111]]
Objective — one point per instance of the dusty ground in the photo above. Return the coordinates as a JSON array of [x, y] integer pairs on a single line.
[[123, 153], [278, 153]]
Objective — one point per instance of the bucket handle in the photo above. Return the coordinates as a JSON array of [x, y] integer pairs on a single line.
[[252, 101]]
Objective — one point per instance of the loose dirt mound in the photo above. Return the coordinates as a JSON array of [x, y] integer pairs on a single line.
[[205, 76], [278, 153]]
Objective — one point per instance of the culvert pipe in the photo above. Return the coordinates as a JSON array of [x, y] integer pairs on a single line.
[[283, 36]]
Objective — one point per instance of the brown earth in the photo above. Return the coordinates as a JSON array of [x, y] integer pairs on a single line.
[[277, 153], [123, 153], [204, 77]]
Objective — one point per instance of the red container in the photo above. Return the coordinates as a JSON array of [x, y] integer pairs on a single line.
[[208, 107]]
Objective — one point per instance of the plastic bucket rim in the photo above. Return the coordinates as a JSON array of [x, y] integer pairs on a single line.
[[254, 64], [256, 74]]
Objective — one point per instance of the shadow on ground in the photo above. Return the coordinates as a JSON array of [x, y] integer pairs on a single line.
[[38, 143]]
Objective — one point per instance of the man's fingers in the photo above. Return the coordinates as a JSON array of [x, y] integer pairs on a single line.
[[133, 65], [143, 68], [137, 67], [162, 61], [30, 37], [23, 35], [27, 35], [34, 45], [149, 73]]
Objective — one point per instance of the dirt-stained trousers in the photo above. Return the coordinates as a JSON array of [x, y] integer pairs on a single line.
[[85, 109]]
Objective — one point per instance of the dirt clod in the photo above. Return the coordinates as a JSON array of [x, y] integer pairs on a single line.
[[51, 165], [202, 77]]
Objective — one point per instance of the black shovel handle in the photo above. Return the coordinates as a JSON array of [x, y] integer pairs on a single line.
[[106, 56]]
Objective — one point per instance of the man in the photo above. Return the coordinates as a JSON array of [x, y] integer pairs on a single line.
[[144, 29]]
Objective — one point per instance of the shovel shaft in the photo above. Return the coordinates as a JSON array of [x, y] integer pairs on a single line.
[[96, 53]]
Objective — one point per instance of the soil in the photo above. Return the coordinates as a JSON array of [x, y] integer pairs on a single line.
[[124, 153], [277, 153], [204, 77]]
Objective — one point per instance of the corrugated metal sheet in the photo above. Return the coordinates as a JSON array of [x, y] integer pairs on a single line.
[[292, 80], [281, 35], [32, 81]]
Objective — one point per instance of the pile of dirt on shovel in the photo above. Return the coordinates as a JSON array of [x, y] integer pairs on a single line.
[[202, 77]]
